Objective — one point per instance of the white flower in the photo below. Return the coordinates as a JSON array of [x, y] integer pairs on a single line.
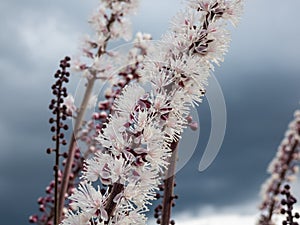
[[108, 168], [233, 11], [121, 29], [126, 102], [153, 73], [204, 5], [134, 217], [88, 199], [94, 166], [99, 21], [117, 169], [114, 136], [69, 103], [218, 47], [76, 219]]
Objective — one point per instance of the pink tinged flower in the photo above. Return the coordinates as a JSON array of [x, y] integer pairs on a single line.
[[133, 193], [117, 169], [142, 43], [77, 65], [194, 125], [201, 5], [127, 101], [141, 120], [108, 168], [233, 11], [161, 102], [93, 168], [122, 29], [114, 136], [99, 21], [69, 102]]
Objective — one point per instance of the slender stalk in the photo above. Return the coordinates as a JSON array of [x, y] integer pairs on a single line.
[[72, 146], [78, 124], [56, 167], [169, 185]]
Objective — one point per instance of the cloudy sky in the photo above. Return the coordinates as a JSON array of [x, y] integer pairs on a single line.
[[260, 79]]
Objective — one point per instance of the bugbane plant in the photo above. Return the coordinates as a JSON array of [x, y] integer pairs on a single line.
[[141, 136], [283, 170], [110, 22]]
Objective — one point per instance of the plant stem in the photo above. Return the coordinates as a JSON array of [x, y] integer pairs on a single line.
[[110, 204], [169, 185], [56, 167], [78, 123], [72, 146]]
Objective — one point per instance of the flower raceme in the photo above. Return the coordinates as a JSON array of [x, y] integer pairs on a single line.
[[283, 170], [106, 21], [138, 135]]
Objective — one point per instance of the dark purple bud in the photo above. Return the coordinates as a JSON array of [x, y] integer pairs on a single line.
[[49, 150], [33, 219]]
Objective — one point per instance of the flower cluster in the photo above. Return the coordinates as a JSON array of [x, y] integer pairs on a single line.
[[129, 73], [139, 136], [110, 21], [88, 131], [283, 169], [113, 12]]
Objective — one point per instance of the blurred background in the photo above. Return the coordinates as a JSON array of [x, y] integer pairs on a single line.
[[260, 79]]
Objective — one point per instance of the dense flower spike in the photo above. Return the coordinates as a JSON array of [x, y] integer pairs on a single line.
[[283, 169], [130, 73], [110, 17], [143, 132], [109, 22]]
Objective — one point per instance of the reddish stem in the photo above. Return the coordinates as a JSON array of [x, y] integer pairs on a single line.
[[72, 146], [169, 186]]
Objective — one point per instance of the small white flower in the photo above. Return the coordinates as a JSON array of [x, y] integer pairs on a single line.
[[69, 103], [121, 29], [95, 166], [126, 102], [76, 219], [114, 136], [233, 11], [134, 217], [89, 200]]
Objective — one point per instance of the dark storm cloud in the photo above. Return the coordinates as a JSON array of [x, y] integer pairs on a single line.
[[257, 121]]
